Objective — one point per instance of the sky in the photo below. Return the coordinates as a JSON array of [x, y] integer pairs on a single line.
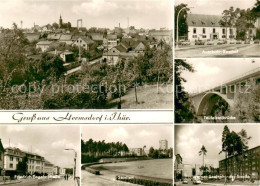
[[190, 138], [95, 13], [48, 141], [134, 136], [215, 7], [212, 72]]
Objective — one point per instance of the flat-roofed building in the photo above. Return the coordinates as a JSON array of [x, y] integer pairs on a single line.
[[247, 164]]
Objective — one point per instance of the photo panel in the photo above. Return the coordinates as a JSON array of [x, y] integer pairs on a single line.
[[127, 154], [217, 154], [217, 90], [217, 29], [40, 155], [86, 55]]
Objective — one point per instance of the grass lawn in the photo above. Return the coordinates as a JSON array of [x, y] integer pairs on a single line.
[[148, 98]]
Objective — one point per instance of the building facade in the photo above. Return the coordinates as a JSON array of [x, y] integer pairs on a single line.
[[2, 150], [207, 27], [13, 156], [48, 168], [136, 151], [163, 145], [247, 164]]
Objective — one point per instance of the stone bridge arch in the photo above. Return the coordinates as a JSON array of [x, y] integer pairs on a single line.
[[210, 99]]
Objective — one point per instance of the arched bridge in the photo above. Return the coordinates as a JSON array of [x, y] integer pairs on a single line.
[[205, 101]]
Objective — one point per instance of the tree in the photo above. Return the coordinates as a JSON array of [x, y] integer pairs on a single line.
[[22, 166], [178, 160], [55, 25], [12, 60], [184, 111], [256, 9], [183, 26], [246, 108], [203, 152], [229, 18]]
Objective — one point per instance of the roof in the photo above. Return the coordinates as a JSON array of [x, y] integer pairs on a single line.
[[97, 37], [44, 43], [32, 36], [121, 48], [200, 20], [54, 36], [87, 40], [65, 37], [110, 36], [160, 32]]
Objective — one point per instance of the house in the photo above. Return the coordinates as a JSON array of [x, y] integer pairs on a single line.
[[110, 41], [67, 56], [204, 27], [162, 35], [97, 37], [48, 168], [136, 151], [2, 151], [53, 37], [62, 171], [32, 37], [13, 156], [66, 38], [83, 42], [56, 170], [44, 45]]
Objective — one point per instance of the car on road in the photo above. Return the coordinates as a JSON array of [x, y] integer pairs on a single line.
[[221, 42], [185, 181], [232, 42], [185, 43], [238, 42], [200, 42], [196, 180], [210, 42], [247, 41], [256, 41]]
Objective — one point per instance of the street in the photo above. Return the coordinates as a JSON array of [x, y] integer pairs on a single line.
[[35, 182], [89, 179], [227, 50]]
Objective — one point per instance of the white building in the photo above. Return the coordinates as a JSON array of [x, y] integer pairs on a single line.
[[136, 151], [163, 145], [83, 42], [43, 45], [207, 27]]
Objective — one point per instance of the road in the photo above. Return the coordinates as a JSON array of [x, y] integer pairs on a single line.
[[71, 71], [227, 50], [89, 179], [35, 182]]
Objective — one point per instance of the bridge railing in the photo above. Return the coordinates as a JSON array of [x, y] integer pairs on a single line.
[[228, 81]]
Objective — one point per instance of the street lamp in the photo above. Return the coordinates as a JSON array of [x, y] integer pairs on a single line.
[[177, 30], [75, 163]]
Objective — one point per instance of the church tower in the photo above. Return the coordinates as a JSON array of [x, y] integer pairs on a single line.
[[60, 22]]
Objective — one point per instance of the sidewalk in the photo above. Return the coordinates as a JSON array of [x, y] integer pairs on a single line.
[[62, 182], [8, 182], [246, 183]]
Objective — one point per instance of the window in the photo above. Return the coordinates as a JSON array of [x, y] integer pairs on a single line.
[[194, 30], [11, 165], [223, 31], [214, 30], [11, 158], [204, 31], [250, 31], [194, 36], [204, 36], [231, 31], [84, 45], [17, 159]]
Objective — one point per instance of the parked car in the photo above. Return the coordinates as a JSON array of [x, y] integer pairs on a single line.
[[238, 42], [185, 43], [232, 42], [247, 41], [221, 42], [200, 42], [256, 41], [210, 43], [185, 181]]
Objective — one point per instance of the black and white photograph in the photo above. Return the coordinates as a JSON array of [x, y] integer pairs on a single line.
[[217, 90], [217, 28], [95, 54], [40, 155], [127, 155], [217, 155]]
